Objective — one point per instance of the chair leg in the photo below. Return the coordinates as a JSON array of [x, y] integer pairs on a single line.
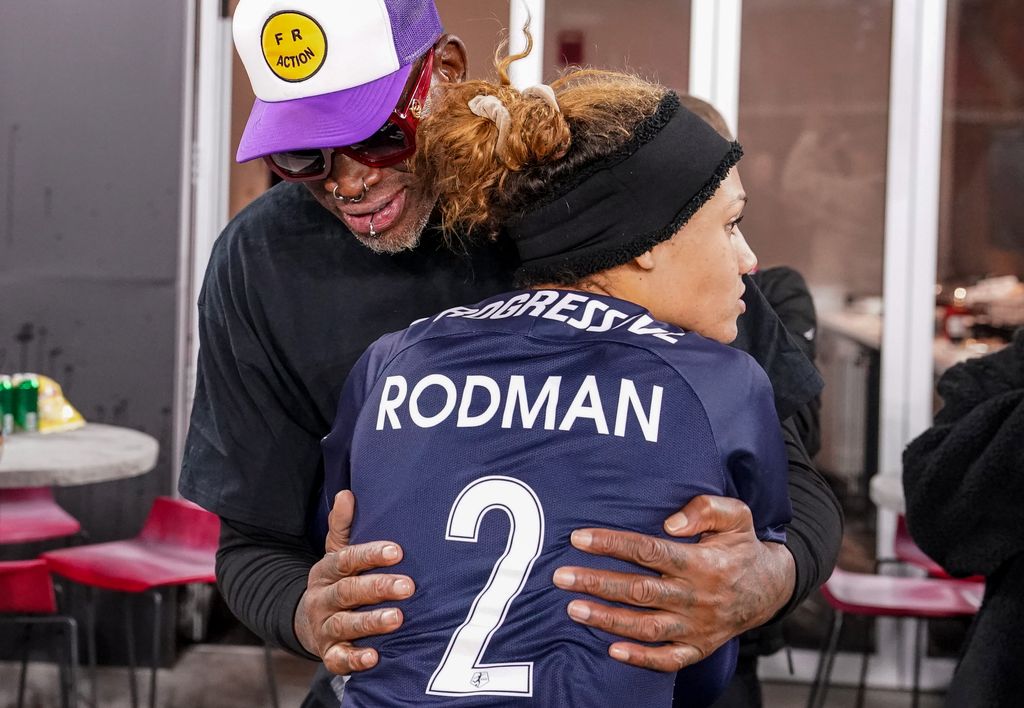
[[25, 640], [90, 631], [833, 646], [816, 683], [157, 604], [865, 654], [825, 668], [72, 677], [919, 630], [63, 667], [130, 645], [271, 679]]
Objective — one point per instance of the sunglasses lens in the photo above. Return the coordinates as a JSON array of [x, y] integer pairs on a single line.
[[300, 163], [389, 141]]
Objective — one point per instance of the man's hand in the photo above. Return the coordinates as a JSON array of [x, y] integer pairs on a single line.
[[326, 620], [708, 591]]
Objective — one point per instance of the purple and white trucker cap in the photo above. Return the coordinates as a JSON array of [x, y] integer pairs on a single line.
[[326, 73]]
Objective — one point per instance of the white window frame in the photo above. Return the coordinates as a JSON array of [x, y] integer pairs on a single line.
[[205, 189], [528, 71], [715, 31]]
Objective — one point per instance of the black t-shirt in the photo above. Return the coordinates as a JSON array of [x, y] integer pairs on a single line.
[[290, 301]]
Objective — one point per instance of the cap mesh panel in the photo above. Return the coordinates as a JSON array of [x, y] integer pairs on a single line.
[[415, 26]]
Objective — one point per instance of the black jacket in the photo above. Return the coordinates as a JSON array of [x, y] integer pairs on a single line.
[[964, 484]]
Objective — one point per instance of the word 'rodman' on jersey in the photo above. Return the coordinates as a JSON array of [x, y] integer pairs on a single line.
[[478, 400]]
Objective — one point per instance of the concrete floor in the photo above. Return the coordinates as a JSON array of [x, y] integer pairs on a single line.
[[219, 676]]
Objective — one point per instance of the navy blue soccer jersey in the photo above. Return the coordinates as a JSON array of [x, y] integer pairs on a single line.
[[480, 438]]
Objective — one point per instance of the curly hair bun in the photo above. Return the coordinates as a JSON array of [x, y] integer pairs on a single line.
[[487, 149]]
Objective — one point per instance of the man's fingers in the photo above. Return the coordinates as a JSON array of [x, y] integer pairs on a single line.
[[353, 560], [339, 521], [365, 590], [668, 657], [631, 624], [628, 588], [344, 659], [346, 626], [662, 555], [710, 514]]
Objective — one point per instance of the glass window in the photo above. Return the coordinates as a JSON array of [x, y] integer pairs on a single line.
[[650, 38], [981, 212], [813, 119]]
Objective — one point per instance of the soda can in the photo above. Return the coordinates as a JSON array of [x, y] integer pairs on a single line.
[[6, 405], [26, 402]]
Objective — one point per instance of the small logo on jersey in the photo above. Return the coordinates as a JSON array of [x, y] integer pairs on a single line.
[[480, 678], [294, 45]]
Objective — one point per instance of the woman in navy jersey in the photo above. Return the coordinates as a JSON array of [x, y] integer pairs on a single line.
[[601, 394]]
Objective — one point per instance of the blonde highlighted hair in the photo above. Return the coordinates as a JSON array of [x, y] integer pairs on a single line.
[[482, 184]]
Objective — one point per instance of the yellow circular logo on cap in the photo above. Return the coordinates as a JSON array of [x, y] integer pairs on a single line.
[[294, 45]]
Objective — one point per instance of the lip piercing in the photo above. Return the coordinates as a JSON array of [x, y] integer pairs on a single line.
[[373, 233], [351, 200]]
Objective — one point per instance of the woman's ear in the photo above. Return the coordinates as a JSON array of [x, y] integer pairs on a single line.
[[645, 261], [450, 58]]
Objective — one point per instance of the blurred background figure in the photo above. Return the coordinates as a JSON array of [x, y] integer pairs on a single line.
[[964, 485]]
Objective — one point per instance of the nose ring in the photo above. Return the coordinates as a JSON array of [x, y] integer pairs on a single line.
[[351, 200]]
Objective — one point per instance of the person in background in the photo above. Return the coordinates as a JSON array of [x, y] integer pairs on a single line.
[[963, 480], [344, 250], [788, 294]]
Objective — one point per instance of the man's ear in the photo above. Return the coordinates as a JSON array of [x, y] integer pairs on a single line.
[[450, 58], [645, 261]]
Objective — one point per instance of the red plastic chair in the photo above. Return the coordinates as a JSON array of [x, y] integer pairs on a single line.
[[869, 595], [177, 546], [27, 598], [907, 551], [28, 515]]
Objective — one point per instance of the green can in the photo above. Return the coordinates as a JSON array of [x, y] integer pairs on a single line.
[[6, 405], [26, 402]]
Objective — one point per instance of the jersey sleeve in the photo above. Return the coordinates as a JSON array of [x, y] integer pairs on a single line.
[[741, 410], [337, 444], [251, 454]]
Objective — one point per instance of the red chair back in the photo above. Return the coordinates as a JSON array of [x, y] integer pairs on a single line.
[[181, 523], [26, 588], [32, 514], [25, 494]]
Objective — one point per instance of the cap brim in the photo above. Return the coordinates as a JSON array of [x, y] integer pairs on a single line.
[[330, 120]]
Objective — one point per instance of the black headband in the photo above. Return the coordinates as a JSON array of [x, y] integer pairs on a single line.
[[624, 205]]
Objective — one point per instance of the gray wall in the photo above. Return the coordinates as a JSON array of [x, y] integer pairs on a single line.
[[90, 144], [90, 138]]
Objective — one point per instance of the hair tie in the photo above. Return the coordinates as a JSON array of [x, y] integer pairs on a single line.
[[494, 110], [545, 92]]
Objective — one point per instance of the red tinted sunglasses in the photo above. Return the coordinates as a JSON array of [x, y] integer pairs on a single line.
[[393, 142]]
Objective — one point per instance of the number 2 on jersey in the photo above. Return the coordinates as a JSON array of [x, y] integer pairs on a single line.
[[461, 671]]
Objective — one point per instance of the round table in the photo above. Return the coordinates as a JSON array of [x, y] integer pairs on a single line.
[[92, 453]]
